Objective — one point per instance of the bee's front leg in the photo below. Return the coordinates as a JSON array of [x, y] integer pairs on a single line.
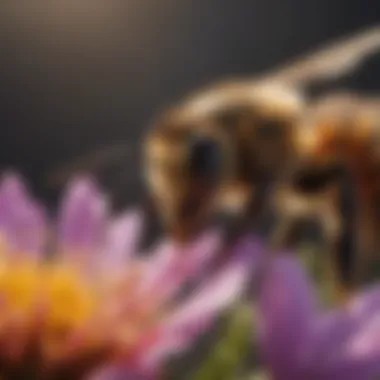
[[292, 209], [251, 213]]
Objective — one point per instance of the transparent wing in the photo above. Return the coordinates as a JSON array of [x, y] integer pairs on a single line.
[[329, 62]]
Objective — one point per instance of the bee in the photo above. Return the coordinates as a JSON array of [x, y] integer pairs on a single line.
[[221, 148]]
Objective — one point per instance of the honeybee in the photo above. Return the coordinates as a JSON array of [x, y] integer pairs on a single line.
[[222, 147]]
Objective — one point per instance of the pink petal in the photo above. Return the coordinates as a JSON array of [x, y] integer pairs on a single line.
[[83, 216], [158, 263], [22, 221], [193, 317], [178, 265], [287, 307], [117, 373], [121, 240]]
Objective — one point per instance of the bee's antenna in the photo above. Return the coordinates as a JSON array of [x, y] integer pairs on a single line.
[[330, 62]]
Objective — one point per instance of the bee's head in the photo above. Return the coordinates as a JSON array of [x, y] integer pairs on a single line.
[[185, 167]]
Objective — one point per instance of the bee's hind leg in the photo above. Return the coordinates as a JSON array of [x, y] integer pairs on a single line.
[[338, 219]]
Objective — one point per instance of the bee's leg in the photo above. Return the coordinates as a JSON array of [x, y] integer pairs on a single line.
[[342, 240], [343, 255], [285, 235], [256, 210], [367, 242], [332, 274], [291, 209], [245, 221]]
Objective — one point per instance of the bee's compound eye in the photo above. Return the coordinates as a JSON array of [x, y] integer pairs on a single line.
[[206, 157]]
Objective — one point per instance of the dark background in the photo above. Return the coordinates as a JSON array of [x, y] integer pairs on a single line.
[[78, 75]]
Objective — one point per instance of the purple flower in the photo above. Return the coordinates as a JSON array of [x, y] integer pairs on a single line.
[[300, 341], [75, 296]]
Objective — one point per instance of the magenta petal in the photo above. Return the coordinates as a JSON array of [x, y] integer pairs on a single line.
[[22, 221], [287, 309], [195, 315], [83, 216]]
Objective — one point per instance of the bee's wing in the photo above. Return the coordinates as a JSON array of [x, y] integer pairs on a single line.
[[330, 62]]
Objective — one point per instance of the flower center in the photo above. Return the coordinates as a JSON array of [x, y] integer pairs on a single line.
[[63, 311], [62, 294]]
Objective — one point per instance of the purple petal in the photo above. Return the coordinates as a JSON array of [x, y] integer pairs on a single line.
[[287, 309], [121, 240], [193, 317], [359, 356], [362, 350], [83, 216], [13, 194], [334, 329], [22, 221], [366, 304], [365, 311], [350, 369], [330, 333]]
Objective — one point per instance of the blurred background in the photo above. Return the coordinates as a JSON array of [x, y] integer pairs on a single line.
[[79, 75]]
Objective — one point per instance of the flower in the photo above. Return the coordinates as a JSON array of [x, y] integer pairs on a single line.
[[76, 298], [300, 341]]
